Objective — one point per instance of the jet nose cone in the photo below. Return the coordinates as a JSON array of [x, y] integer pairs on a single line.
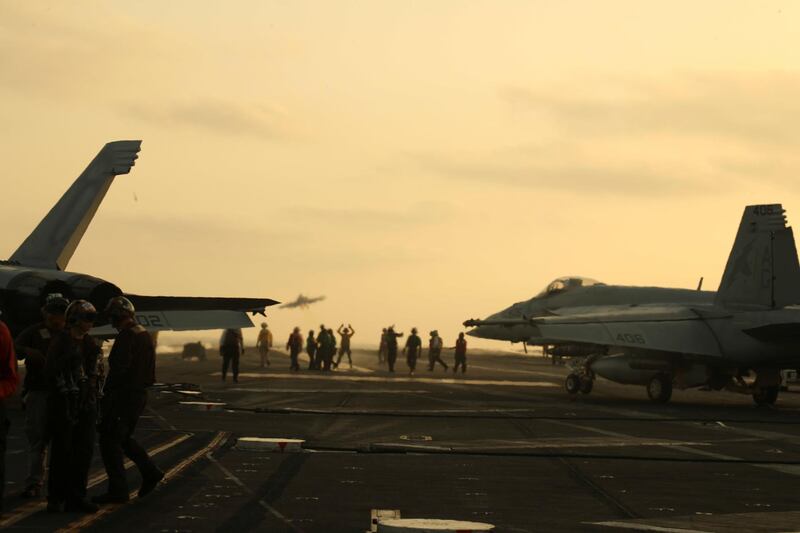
[[479, 332]]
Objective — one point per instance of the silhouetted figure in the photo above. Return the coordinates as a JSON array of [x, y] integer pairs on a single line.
[[71, 370], [412, 349], [295, 345], [435, 351], [231, 347], [344, 348], [311, 350], [264, 343], [382, 348], [8, 384], [325, 348], [32, 345], [391, 347], [461, 354], [131, 369]]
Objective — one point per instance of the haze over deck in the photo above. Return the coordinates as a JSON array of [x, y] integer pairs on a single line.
[[417, 163]]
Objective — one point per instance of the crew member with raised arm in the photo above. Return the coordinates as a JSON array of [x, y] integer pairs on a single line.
[[344, 348]]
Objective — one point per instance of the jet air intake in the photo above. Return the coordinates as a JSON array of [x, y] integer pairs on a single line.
[[24, 293]]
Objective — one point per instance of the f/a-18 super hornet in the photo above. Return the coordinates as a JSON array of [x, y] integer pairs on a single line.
[[38, 267], [302, 302], [738, 338]]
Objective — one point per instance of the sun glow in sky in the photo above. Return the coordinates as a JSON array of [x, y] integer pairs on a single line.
[[419, 163]]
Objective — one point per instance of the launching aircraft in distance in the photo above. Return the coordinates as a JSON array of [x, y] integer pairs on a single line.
[[737, 338], [38, 267], [302, 302]]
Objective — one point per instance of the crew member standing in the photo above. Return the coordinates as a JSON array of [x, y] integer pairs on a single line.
[[435, 351], [461, 354], [323, 349], [231, 347], [8, 384], [391, 347], [412, 349], [311, 350], [131, 369], [295, 346], [31, 346], [71, 371], [346, 333], [382, 348], [264, 343]]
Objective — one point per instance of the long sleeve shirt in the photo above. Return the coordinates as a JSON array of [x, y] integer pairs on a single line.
[[9, 380], [132, 361]]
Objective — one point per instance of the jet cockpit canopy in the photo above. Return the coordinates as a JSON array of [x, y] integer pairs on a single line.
[[565, 284]]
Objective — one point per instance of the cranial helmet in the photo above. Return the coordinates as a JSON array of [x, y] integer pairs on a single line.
[[55, 304], [119, 307], [80, 311]]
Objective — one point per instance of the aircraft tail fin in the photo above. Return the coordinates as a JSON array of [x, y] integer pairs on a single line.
[[55, 239], [762, 269]]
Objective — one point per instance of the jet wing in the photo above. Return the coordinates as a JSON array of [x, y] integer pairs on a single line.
[[665, 329], [184, 313]]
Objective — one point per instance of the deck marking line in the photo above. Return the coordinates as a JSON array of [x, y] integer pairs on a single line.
[[24, 511], [77, 525]]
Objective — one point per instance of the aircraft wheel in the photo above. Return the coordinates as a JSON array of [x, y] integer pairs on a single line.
[[766, 395], [573, 384], [586, 386], [660, 388]]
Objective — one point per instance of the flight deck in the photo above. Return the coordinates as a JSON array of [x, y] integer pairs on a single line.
[[502, 444]]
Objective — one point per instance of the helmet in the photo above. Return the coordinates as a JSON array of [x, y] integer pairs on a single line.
[[55, 304], [80, 310], [119, 306]]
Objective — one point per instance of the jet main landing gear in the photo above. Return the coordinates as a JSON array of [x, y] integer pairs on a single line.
[[577, 383]]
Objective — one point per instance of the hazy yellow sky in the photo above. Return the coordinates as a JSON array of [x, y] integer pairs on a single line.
[[419, 163]]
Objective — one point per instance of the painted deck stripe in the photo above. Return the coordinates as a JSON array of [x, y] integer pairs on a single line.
[[218, 440], [645, 527], [24, 511], [398, 379]]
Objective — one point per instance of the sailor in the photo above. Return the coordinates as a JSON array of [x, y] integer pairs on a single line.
[[382, 348], [295, 346], [71, 371], [31, 346], [311, 350], [412, 350], [332, 348], [461, 354], [346, 333], [435, 351], [8, 384], [264, 343], [131, 369], [231, 347], [323, 349], [391, 347]]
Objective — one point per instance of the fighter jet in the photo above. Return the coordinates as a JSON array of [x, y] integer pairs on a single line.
[[737, 338], [38, 267], [302, 302]]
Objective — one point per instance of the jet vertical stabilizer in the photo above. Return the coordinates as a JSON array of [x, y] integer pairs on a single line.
[[55, 239], [762, 269]]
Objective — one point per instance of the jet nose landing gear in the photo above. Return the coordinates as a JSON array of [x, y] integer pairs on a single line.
[[659, 389]]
